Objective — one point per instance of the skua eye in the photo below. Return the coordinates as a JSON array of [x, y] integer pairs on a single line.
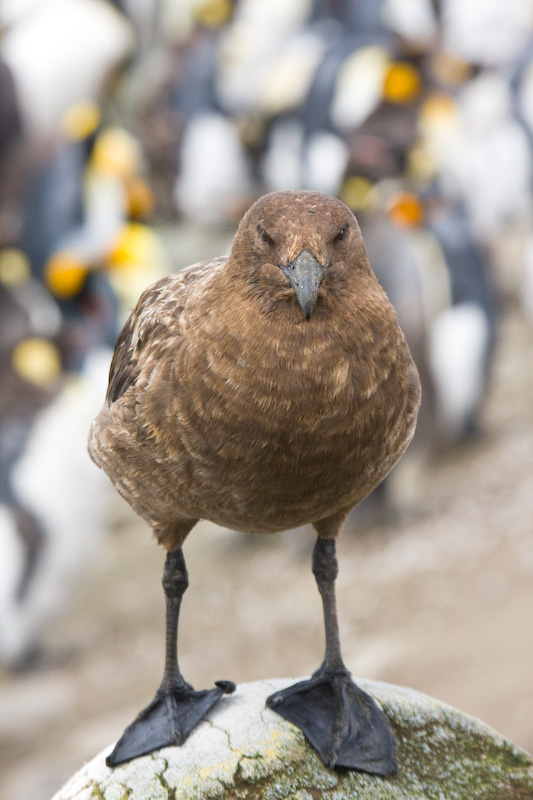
[[266, 237]]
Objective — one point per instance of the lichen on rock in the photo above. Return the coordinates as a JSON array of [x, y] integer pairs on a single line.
[[244, 751]]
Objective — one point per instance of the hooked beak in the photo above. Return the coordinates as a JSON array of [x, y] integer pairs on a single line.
[[305, 275]]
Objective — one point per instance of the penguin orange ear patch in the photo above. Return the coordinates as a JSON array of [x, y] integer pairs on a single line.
[[14, 267], [140, 198], [213, 13], [81, 120], [406, 210], [115, 153], [402, 83], [358, 193], [65, 275], [37, 360]]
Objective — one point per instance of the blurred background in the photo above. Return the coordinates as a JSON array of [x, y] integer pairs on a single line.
[[133, 136]]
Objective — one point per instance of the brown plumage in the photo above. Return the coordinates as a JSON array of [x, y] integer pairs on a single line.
[[261, 391]]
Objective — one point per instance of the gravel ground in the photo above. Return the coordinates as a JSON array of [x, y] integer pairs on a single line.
[[440, 599]]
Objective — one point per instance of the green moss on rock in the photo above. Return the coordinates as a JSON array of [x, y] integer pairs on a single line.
[[243, 751]]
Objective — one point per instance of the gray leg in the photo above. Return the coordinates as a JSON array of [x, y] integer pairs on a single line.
[[325, 570], [175, 584], [177, 708], [344, 724]]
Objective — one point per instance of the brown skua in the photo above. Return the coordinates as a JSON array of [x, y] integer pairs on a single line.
[[262, 391]]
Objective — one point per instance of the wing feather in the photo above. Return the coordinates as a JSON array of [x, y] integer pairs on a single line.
[[156, 317]]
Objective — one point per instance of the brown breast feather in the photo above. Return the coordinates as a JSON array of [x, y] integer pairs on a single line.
[[225, 403]]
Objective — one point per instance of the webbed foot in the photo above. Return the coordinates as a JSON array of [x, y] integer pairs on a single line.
[[344, 724], [168, 720]]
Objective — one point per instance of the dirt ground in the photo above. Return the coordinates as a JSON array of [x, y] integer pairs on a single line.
[[440, 599]]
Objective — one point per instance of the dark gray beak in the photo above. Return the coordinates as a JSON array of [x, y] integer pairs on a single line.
[[305, 275]]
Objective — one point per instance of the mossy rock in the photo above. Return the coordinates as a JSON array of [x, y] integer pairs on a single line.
[[244, 751]]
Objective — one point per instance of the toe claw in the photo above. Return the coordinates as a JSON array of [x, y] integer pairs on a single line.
[[228, 687]]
